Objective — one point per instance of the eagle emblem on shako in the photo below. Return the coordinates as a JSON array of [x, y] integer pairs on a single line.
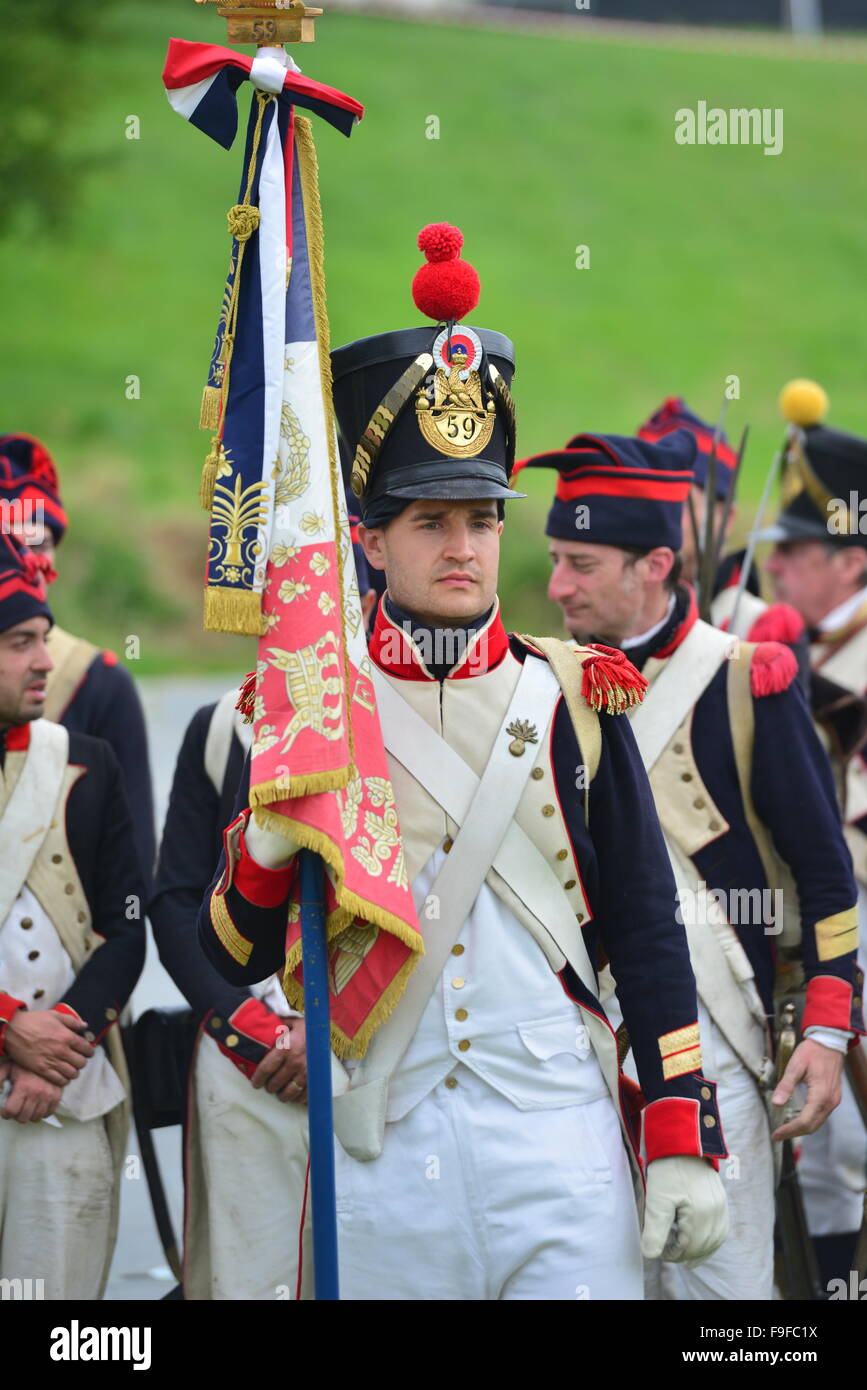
[[452, 415], [455, 413]]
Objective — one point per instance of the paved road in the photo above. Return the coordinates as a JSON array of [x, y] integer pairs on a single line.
[[139, 1270]]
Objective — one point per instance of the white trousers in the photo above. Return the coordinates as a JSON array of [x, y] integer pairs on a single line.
[[56, 1204], [472, 1200], [743, 1267], [252, 1154]]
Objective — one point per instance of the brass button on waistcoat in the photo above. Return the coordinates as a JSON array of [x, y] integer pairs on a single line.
[[580, 916], [677, 747], [57, 858], [32, 955], [458, 983], [714, 825], [699, 803], [464, 1045], [461, 1014], [38, 993], [547, 810], [82, 916], [562, 854], [686, 777], [26, 922], [69, 888], [451, 1082], [537, 774], [570, 883], [447, 844], [458, 950]]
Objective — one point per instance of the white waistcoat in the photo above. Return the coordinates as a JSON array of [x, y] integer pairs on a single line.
[[500, 1010], [35, 967]]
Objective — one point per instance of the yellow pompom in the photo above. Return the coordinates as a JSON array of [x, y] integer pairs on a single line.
[[803, 402]]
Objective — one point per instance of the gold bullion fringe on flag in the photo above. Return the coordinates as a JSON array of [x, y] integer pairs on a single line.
[[350, 906]]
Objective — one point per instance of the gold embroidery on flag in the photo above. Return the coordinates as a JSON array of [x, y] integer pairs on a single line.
[[306, 684], [350, 948]]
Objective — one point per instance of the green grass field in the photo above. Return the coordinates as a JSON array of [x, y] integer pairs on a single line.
[[704, 262]]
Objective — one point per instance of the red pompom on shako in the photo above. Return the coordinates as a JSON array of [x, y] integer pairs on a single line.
[[445, 287]]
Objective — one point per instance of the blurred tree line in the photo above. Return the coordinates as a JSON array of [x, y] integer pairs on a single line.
[[42, 104]]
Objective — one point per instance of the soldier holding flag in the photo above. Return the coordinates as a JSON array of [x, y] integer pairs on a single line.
[[483, 1093]]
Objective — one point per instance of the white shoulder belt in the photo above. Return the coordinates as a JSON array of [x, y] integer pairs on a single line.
[[484, 809]]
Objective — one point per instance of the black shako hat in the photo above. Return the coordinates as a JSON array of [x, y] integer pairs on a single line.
[[428, 412], [824, 475]]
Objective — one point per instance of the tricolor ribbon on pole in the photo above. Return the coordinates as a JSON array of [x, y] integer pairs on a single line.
[[280, 555]]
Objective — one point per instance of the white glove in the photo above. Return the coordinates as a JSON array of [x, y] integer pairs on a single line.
[[269, 849], [686, 1214]]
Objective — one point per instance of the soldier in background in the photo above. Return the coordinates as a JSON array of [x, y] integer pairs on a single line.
[[71, 949], [819, 566], [88, 691], [755, 620], [245, 1182], [743, 792]]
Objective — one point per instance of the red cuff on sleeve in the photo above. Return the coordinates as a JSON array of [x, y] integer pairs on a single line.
[[250, 1032], [261, 886], [673, 1127], [829, 1004], [258, 1022], [9, 1005]]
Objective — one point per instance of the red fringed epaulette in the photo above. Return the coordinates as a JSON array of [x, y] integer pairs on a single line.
[[773, 668], [247, 697], [610, 682], [780, 622]]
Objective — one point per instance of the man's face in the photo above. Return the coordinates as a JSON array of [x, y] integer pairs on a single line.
[[440, 558], [689, 555], [814, 579], [24, 666], [599, 588]]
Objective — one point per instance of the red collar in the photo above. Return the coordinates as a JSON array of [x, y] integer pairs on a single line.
[[394, 651], [683, 630], [17, 738]]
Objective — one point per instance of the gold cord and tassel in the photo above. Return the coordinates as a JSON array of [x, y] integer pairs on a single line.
[[242, 220]]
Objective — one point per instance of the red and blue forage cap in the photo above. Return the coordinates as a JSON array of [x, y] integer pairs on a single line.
[[28, 475], [674, 414], [615, 490], [428, 412], [23, 576]]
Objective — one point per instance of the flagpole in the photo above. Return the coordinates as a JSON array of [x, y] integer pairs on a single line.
[[319, 1100]]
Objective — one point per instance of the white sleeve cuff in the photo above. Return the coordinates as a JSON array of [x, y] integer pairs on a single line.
[[836, 1038]]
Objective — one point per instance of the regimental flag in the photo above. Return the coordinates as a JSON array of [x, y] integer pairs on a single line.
[[280, 555]]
